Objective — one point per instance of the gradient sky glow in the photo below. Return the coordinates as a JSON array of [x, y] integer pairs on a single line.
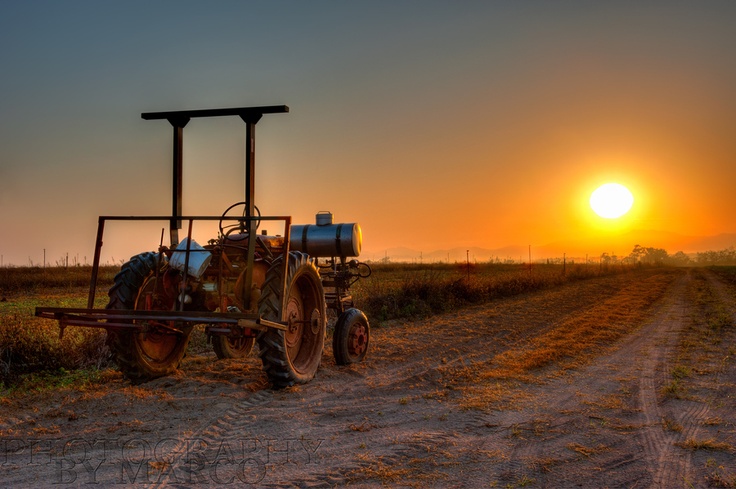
[[433, 124]]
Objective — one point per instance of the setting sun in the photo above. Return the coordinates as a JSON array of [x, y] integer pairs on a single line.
[[611, 200]]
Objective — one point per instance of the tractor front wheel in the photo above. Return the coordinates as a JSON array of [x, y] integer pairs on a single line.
[[158, 348], [351, 337], [292, 356]]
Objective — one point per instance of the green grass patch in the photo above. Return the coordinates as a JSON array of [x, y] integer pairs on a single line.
[[31, 344], [39, 382]]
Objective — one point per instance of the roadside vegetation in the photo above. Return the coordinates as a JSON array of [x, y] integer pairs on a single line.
[[572, 343], [413, 291], [30, 345], [704, 347]]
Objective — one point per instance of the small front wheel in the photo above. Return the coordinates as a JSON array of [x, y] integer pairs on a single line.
[[351, 337]]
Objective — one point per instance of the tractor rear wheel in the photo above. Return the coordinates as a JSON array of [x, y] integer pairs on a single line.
[[226, 347], [157, 351], [292, 356], [351, 337]]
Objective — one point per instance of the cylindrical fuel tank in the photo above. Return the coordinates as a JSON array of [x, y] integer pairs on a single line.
[[327, 240]]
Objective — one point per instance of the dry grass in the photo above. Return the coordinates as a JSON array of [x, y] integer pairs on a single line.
[[669, 424], [571, 343], [701, 347], [609, 401], [720, 479], [709, 444], [587, 451], [417, 291], [391, 474], [24, 281], [29, 344], [584, 335]]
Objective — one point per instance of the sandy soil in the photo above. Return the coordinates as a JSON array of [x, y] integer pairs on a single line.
[[638, 413]]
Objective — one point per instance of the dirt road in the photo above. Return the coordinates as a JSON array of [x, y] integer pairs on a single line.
[[444, 402]]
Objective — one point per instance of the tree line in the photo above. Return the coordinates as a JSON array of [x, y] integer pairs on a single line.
[[659, 256]]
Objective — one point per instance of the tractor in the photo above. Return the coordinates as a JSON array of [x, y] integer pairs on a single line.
[[245, 286]]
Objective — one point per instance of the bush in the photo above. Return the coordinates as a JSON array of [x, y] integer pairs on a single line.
[[414, 291], [31, 344]]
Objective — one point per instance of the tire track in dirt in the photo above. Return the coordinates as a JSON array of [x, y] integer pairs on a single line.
[[578, 425], [668, 464], [204, 449], [691, 413]]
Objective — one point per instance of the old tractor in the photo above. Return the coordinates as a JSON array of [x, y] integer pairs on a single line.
[[245, 286]]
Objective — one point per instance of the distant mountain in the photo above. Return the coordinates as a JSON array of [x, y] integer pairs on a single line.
[[620, 245], [403, 254], [453, 255]]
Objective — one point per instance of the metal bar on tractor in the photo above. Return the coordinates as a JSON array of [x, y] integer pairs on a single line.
[[235, 111], [184, 218], [271, 324], [220, 331], [64, 313], [285, 269], [112, 318], [92, 323], [96, 263], [250, 161], [178, 124], [182, 293], [250, 198]]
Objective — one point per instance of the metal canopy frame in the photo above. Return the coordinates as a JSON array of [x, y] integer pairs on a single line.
[[179, 119]]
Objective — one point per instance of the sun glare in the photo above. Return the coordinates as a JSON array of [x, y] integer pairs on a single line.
[[611, 200]]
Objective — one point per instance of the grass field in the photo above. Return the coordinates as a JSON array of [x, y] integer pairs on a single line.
[[414, 290], [31, 345]]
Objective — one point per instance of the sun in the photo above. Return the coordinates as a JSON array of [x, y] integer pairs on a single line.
[[611, 200]]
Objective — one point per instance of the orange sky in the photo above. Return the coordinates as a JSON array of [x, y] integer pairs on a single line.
[[433, 125]]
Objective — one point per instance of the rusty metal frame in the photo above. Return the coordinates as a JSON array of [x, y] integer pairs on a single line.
[[111, 318]]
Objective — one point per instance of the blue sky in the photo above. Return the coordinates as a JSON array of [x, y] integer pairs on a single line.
[[433, 124]]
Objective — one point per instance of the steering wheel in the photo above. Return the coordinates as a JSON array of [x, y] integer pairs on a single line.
[[239, 226]]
